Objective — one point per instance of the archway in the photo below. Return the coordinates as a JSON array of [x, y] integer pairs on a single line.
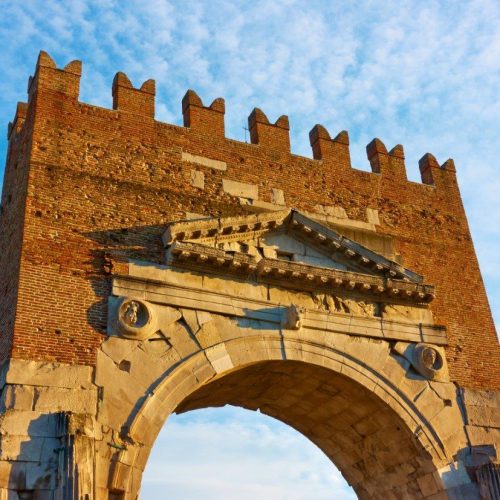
[[362, 421]]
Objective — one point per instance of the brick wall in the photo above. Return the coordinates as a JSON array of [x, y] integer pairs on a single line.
[[103, 183]]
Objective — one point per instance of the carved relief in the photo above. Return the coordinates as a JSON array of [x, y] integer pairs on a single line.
[[331, 303], [131, 314], [132, 318], [427, 360], [293, 317]]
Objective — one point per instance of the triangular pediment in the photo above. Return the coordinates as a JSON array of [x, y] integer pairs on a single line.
[[288, 247]]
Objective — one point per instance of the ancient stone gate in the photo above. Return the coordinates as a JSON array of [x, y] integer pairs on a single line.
[[149, 268]]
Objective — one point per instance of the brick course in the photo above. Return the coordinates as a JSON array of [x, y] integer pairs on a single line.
[[86, 187]]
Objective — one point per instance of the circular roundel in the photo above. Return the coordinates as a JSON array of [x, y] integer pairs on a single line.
[[135, 319], [427, 360]]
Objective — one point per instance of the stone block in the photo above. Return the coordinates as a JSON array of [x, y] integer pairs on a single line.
[[29, 448], [30, 423], [164, 274], [208, 335], [372, 353], [61, 399], [48, 374], [12, 475], [191, 318], [118, 348], [483, 435], [183, 341], [197, 179], [240, 189], [236, 288], [206, 162], [483, 416], [447, 421], [372, 216], [277, 196], [477, 397], [396, 369], [219, 358], [19, 397]]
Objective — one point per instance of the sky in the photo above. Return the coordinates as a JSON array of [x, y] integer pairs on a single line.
[[425, 74]]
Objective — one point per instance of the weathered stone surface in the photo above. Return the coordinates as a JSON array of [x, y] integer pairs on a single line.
[[29, 423], [277, 196], [206, 162], [29, 448], [372, 216], [476, 397], [197, 179], [61, 399], [240, 189], [19, 397], [219, 358], [483, 435], [48, 374]]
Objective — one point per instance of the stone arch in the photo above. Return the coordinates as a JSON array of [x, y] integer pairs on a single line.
[[397, 452]]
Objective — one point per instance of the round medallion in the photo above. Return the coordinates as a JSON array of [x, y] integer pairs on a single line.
[[135, 318], [427, 360]]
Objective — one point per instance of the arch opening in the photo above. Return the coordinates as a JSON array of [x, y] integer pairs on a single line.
[[230, 452], [368, 442]]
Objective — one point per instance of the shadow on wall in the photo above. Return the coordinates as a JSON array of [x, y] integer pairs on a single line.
[[42, 460], [120, 244]]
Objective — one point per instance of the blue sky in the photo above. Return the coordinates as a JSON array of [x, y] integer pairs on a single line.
[[425, 74]]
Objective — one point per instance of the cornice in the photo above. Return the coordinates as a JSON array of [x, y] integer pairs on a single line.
[[293, 275]]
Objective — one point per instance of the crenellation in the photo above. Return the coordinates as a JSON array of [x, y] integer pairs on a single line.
[[132, 100], [49, 78], [397, 152], [202, 119], [335, 151], [397, 164], [377, 156], [17, 123], [209, 121], [442, 176], [264, 133]]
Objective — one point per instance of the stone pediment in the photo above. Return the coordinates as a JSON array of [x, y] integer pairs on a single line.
[[290, 249]]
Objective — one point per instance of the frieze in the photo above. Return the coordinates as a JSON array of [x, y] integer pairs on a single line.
[[274, 313]]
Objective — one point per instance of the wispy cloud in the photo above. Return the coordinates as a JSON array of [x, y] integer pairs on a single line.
[[231, 453]]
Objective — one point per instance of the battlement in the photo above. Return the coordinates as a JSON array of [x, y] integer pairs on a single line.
[[48, 77], [131, 100], [209, 122]]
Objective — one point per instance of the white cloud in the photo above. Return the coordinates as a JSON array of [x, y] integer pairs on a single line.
[[233, 453]]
